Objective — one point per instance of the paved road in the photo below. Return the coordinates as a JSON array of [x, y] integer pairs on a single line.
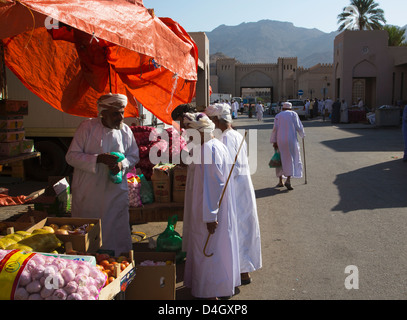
[[352, 211]]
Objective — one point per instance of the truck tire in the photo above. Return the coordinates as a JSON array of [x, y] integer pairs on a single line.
[[51, 163]]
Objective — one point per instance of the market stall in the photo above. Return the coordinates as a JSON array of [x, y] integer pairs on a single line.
[[69, 54], [60, 259], [355, 115]]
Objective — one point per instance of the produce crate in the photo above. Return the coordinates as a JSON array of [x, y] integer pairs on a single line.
[[32, 216], [179, 181], [13, 108], [88, 242], [7, 227], [122, 281], [153, 282], [156, 212]]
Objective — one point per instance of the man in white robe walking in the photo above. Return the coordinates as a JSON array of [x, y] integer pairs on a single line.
[[284, 138], [213, 276], [246, 206], [94, 195]]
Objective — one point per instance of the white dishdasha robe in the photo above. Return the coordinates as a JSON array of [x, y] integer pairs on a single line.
[[215, 276], [246, 206], [93, 194], [286, 126]]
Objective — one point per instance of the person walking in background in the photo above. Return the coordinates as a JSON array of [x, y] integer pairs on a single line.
[[311, 109], [259, 111], [284, 138], [344, 112], [336, 112], [235, 109]]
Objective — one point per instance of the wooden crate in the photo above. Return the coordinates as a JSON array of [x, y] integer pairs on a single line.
[[156, 212]]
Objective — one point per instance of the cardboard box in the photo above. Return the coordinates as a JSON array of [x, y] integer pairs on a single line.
[[179, 180], [12, 135], [153, 282], [10, 149], [54, 199], [161, 179], [121, 283], [88, 242], [13, 108], [27, 145], [7, 227], [11, 123]]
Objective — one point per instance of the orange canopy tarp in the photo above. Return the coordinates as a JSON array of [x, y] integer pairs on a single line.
[[99, 46]]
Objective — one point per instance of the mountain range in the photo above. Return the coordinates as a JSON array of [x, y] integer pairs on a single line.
[[267, 40]]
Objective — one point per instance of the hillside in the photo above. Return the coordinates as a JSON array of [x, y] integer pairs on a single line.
[[266, 40]]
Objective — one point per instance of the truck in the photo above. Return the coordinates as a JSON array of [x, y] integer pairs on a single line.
[[52, 131]]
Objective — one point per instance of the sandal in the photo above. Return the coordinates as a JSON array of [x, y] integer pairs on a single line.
[[288, 186]]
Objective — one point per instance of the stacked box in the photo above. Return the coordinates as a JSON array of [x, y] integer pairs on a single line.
[[10, 149], [161, 179], [179, 181], [12, 131], [11, 123], [26, 146]]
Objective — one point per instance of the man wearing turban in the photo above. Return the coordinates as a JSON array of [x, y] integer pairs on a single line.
[[94, 194], [219, 274], [244, 195], [284, 138]]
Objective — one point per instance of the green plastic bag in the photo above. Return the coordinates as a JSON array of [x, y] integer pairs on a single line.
[[275, 161], [146, 190], [170, 240], [117, 178]]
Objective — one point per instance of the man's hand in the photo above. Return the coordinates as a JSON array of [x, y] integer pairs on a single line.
[[111, 161], [212, 227]]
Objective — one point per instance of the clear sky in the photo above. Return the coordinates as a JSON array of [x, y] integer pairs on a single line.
[[206, 15]]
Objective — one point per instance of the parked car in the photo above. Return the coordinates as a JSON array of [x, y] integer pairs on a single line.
[[274, 109], [299, 107]]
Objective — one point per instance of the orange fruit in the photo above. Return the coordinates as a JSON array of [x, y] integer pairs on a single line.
[[101, 268], [104, 263], [110, 279], [109, 267]]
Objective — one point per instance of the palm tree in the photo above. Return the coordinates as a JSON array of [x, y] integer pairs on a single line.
[[361, 15], [397, 36]]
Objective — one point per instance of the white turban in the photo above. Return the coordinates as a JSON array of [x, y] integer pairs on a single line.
[[219, 110], [111, 100], [287, 105], [198, 121]]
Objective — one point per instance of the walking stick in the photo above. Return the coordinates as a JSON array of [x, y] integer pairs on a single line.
[[305, 161], [223, 193]]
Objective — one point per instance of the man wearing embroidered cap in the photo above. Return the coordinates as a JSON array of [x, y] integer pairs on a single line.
[[243, 192], [94, 195], [219, 274], [284, 138]]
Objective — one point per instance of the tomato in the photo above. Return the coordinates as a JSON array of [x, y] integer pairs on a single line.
[[104, 263]]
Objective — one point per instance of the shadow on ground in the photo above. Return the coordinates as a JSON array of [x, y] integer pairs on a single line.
[[374, 187]]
